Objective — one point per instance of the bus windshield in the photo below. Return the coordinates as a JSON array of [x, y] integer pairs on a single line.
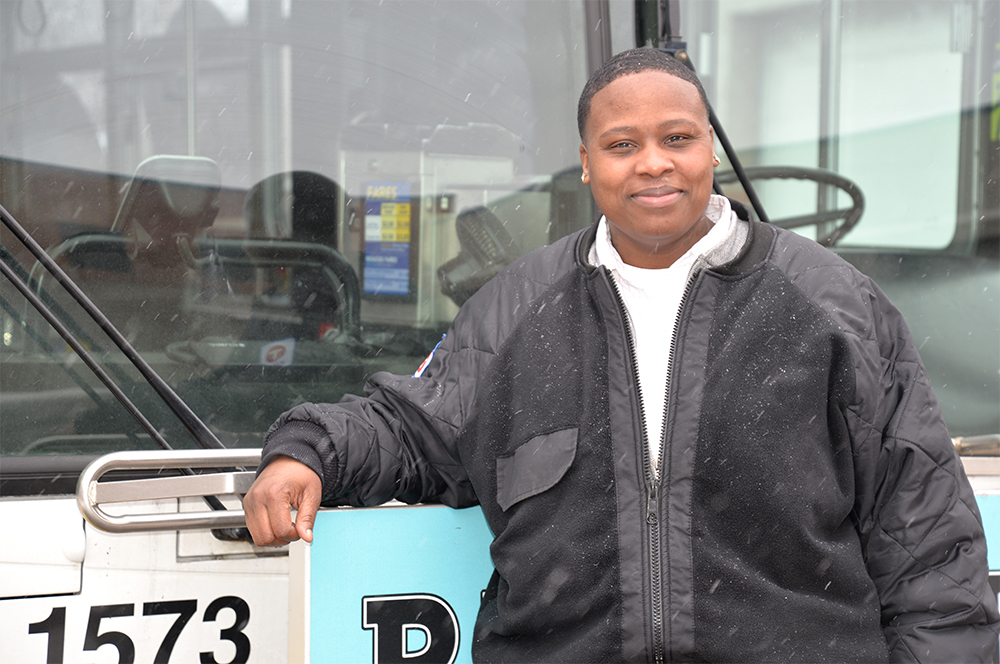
[[273, 200]]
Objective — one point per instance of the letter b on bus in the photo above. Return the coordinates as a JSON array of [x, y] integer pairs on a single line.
[[411, 629]]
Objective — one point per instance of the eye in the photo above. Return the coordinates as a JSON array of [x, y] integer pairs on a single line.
[[676, 138], [621, 145]]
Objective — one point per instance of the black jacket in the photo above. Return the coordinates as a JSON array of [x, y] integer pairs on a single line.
[[810, 508]]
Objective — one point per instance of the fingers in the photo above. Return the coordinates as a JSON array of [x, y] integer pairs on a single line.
[[285, 484], [264, 513], [306, 516]]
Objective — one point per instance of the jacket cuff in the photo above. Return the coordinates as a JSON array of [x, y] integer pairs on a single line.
[[298, 439]]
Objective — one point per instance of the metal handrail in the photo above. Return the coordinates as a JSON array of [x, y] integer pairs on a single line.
[[986, 445], [91, 493], [254, 251]]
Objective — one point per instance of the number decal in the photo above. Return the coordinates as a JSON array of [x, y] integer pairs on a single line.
[[93, 640], [184, 609], [55, 627], [233, 633]]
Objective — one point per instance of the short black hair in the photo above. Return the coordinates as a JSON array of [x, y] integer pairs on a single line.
[[633, 62]]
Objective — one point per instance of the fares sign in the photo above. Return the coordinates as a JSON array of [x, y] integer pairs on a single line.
[[387, 238], [396, 584]]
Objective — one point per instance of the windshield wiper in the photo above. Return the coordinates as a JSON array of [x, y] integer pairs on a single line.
[[198, 430]]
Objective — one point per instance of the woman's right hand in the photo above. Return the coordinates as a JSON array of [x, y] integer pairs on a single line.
[[284, 485]]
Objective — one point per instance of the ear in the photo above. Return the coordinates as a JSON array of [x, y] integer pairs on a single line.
[[715, 153], [585, 162]]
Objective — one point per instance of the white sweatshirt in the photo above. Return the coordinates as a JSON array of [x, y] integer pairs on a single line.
[[652, 301]]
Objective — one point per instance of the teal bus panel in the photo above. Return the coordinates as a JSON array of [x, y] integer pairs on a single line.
[[989, 507], [397, 584], [404, 583]]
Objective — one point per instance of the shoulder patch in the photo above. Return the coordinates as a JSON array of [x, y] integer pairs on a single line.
[[427, 360]]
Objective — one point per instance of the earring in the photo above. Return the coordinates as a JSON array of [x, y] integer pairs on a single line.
[[715, 160], [583, 177]]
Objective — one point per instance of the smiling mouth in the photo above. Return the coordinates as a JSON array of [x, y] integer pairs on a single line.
[[657, 197]]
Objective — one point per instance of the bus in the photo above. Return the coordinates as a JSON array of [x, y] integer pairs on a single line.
[[214, 210]]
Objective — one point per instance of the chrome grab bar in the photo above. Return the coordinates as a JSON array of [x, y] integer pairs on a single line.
[[987, 445], [91, 494]]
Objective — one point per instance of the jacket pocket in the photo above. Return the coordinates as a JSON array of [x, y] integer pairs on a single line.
[[535, 466]]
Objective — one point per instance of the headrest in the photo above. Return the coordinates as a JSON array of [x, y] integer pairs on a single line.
[[171, 194]]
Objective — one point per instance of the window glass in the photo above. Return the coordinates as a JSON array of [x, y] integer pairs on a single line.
[[901, 93], [871, 90], [53, 403], [900, 99], [273, 200]]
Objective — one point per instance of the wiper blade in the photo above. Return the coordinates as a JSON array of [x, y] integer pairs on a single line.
[[198, 430], [78, 348]]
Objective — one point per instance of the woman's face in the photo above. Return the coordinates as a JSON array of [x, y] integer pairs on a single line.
[[648, 156]]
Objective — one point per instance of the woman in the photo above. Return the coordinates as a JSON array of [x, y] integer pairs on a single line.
[[693, 436]]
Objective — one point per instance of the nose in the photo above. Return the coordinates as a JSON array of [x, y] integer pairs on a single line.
[[654, 160]]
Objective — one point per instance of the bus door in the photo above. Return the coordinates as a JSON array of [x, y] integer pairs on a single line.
[[269, 201]]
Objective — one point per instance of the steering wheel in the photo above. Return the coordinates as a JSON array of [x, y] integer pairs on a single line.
[[828, 230]]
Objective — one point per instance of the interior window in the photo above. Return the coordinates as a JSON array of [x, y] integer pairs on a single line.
[[892, 107], [870, 90]]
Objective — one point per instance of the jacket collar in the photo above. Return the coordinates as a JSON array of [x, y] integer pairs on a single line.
[[755, 246]]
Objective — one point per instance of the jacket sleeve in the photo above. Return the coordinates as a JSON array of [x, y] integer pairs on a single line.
[[920, 527], [399, 440]]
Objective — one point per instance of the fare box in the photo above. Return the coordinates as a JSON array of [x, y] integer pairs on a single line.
[[394, 583]]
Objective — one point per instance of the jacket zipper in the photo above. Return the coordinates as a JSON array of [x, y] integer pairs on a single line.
[[653, 480], [652, 487], [663, 464]]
